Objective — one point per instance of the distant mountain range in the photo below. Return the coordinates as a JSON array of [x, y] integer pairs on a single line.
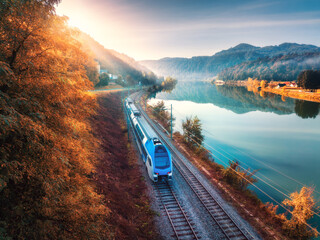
[[241, 61], [117, 63]]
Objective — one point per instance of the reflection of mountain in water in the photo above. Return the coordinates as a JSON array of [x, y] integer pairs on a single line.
[[236, 99]]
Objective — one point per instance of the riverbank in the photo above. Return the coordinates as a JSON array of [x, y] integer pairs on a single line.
[[295, 93], [118, 175], [246, 202], [292, 92]]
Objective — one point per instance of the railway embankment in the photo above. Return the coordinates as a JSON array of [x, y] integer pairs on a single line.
[[118, 174], [246, 203]]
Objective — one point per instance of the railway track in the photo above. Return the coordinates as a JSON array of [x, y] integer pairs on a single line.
[[225, 222], [182, 227], [218, 214]]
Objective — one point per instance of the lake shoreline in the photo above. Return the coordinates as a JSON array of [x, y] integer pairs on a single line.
[[291, 92], [265, 127], [307, 96]]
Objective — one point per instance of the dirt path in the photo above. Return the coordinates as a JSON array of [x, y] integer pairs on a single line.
[[118, 175]]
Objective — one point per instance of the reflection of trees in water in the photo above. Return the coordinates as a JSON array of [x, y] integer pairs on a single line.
[[306, 109], [167, 86], [234, 98], [239, 99], [262, 101]]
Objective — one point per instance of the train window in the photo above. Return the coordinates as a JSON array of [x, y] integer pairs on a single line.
[[161, 159], [139, 132], [137, 114], [149, 161], [143, 151]]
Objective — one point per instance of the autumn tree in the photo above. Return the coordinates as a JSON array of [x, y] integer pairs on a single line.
[[163, 115], [238, 177], [192, 131], [263, 84], [169, 84], [91, 67], [46, 146], [103, 80], [301, 205]]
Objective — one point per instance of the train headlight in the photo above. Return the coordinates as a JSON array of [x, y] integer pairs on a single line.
[[170, 173], [155, 177]]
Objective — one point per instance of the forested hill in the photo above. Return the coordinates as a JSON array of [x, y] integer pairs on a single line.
[[278, 68], [209, 66], [115, 62]]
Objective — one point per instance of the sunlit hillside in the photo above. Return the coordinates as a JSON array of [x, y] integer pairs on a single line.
[[116, 63]]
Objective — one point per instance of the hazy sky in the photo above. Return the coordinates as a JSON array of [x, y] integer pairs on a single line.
[[152, 29]]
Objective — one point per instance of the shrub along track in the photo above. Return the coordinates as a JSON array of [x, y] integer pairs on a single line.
[[118, 175], [225, 222], [220, 213]]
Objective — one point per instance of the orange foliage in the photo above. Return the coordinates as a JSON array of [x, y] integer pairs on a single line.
[[47, 149], [302, 204]]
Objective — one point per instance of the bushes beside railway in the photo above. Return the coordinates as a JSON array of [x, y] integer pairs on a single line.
[[300, 205], [162, 115], [238, 177]]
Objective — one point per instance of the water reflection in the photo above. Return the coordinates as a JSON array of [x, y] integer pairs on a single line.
[[255, 100], [279, 136], [240, 99], [306, 109]]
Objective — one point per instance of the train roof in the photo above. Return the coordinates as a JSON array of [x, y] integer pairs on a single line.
[[147, 129], [129, 100], [134, 108]]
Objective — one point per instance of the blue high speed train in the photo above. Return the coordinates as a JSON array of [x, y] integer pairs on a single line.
[[155, 155]]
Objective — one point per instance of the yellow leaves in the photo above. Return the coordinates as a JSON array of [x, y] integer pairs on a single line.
[[263, 84], [271, 208], [302, 204], [48, 150], [77, 127]]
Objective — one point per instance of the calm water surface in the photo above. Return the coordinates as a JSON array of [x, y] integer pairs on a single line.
[[280, 137]]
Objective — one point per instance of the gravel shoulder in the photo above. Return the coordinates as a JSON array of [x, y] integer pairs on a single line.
[[204, 225]]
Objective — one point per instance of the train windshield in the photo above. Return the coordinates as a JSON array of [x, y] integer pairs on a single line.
[[161, 157]]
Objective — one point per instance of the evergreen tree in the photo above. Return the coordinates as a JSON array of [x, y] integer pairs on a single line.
[[309, 79]]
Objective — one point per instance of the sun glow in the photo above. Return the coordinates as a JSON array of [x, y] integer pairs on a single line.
[[99, 23]]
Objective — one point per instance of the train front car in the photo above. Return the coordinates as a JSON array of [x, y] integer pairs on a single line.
[[155, 155], [161, 161]]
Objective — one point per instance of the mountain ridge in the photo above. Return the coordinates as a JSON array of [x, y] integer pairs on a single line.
[[209, 66]]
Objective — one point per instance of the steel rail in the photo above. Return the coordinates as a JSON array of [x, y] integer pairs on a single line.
[[218, 214], [179, 221], [175, 222], [225, 222]]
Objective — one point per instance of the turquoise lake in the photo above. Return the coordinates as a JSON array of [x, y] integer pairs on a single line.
[[278, 137]]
